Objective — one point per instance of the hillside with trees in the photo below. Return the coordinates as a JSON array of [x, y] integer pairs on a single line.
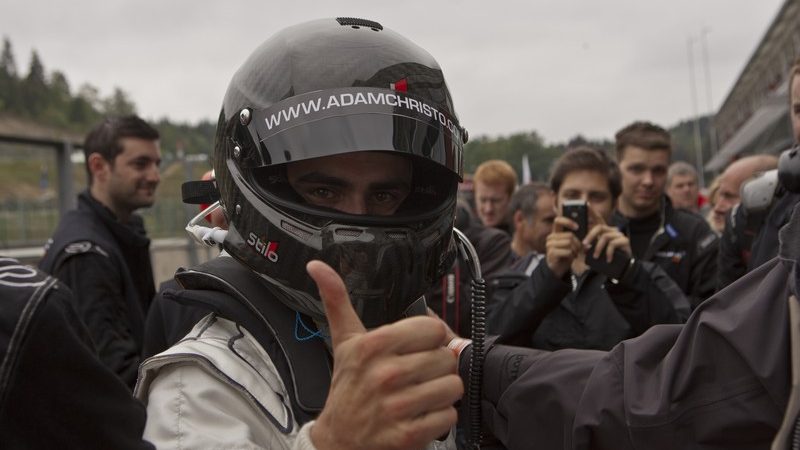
[[47, 98]]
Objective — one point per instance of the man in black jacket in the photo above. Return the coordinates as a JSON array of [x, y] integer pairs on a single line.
[[101, 251], [680, 242], [54, 392], [567, 304]]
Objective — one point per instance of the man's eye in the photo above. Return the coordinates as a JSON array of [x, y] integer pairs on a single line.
[[323, 193], [384, 197], [570, 195], [597, 198]]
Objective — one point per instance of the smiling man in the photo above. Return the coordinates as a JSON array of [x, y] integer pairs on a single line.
[[101, 251], [680, 242]]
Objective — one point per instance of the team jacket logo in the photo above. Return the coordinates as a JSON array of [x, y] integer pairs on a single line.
[[266, 249]]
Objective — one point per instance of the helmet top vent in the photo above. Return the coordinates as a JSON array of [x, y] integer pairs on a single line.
[[357, 23]]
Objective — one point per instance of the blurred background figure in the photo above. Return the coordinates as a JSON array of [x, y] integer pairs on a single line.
[[101, 250], [715, 221], [532, 211], [682, 186], [732, 178], [494, 182]]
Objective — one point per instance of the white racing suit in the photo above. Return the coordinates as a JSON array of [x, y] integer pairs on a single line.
[[219, 388]]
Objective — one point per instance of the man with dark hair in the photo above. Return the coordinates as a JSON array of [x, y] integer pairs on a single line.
[[682, 186], [566, 303], [531, 212], [101, 251], [679, 241], [54, 392]]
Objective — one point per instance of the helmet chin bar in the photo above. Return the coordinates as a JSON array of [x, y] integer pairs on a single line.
[[206, 235]]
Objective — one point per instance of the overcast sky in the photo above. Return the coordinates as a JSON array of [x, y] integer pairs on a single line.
[[559, 67]]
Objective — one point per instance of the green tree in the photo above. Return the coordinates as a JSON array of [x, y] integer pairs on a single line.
[[118, 104], [34, 88], [59, 98], [511, 149], [83, 108], [8, 64], [8, 79]]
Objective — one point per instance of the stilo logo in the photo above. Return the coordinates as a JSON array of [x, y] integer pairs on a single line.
[[266, 249]]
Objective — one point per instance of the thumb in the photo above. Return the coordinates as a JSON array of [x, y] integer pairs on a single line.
[[342, 318]]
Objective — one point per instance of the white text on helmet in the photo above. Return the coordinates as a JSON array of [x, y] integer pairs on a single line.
[[345, 99], [266, 249]]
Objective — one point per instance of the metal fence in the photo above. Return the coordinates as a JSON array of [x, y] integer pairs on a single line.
[[26, 223]]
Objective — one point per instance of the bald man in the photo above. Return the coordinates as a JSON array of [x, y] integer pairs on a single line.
[[734, 175]]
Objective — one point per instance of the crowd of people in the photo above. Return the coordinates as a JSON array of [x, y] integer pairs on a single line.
[[624, 308]]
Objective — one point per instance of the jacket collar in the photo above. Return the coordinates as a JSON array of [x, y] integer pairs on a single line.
[[665, 232], [130, 233]]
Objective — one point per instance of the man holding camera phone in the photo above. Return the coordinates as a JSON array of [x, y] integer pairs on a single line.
[[590, 293]]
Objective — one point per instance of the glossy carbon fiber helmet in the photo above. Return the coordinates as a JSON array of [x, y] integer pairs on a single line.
[[332, 87]]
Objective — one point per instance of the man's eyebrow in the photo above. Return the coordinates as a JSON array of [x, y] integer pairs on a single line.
[[147, 159], [320, 178], [390, 184]]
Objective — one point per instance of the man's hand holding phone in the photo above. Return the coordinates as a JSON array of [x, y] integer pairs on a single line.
[[608, 250], [562, 245]]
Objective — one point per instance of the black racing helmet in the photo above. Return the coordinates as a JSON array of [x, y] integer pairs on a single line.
[[331, 87]]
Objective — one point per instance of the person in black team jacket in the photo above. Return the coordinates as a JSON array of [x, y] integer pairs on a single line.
[[101, 250], [680, 242], [567, 304], [54, 392]]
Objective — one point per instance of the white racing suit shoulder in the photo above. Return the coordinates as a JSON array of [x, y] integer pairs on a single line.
[[218, 388]]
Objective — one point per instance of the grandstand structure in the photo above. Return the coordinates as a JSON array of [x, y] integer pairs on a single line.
[[754, 118]]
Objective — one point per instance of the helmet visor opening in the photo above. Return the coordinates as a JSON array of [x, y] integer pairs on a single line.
[[429, 191]]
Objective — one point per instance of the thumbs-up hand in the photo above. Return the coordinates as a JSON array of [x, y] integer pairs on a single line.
[[393, 387]]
